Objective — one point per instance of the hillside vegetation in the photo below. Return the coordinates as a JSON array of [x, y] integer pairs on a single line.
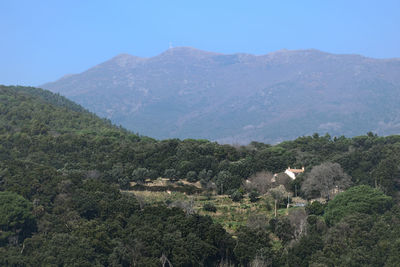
[[76, 190]]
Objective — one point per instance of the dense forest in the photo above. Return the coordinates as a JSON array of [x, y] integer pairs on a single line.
[[65, 176]]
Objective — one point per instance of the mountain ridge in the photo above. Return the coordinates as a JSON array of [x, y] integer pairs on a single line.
[[237, 98], [126, 56]]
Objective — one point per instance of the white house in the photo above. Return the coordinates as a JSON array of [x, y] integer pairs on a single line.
[[293, 172]]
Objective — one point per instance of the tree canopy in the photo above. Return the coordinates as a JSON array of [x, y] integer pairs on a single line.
[[16, 218], [361, 199], [64, 174]]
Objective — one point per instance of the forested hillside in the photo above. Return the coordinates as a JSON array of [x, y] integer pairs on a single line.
[[66, 176]]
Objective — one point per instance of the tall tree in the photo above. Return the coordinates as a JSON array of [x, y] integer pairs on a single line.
[[260, 182], [362, 199], [278, 194]]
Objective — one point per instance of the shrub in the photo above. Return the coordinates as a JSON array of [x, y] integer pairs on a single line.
[[139, 175], [268, 205], [124, 183], [236, 196], [172, 174], [209, 207], [191, 176], [253, 196], [315, 208]]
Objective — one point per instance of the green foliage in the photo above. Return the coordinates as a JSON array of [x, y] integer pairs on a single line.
[[184, 240], [140, 174], [205, 175], [62, 249], [209, 207], [282, 228], [315, 208], [236, 196], [62, 168], [253, 196], [249, 243], [124, 183], [386, 175], [191, 176], [226, 182], [16, 217], [362, 199], [300, 254], [171, 174], [361, 240], [35, 111]]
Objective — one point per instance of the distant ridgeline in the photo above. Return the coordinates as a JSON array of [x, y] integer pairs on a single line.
[[62, 169], [188, 93]]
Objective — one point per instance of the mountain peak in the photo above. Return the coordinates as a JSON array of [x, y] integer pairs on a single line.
[[124, 60], [187, 52]]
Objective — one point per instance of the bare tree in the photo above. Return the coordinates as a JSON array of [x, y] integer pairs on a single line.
[[187, 206], [278, 193], [261, 261], [298, 219], [283, 179], [325, 178], [165, 260], [261, 182]]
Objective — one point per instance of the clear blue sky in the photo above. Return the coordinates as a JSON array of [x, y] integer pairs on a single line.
[[40, 41]]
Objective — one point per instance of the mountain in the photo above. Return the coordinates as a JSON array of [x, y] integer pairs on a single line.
[[237, 98]]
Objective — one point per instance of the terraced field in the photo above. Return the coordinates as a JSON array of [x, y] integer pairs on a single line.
[[229, 213]]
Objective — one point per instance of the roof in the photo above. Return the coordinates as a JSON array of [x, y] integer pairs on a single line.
[[296, 170]]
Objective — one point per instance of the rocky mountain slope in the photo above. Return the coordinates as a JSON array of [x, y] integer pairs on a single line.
[[189, 93]]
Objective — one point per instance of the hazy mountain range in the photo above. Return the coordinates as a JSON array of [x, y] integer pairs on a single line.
[[237, 98]]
